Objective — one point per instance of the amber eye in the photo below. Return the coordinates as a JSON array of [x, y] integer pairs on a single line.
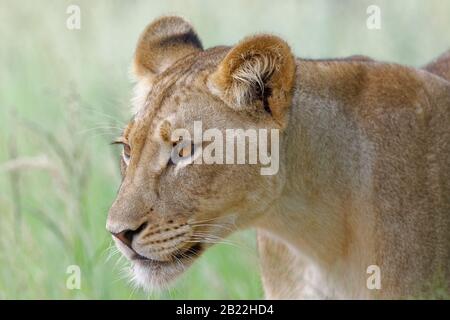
[[186, 151], [182, 150], [126, 153]]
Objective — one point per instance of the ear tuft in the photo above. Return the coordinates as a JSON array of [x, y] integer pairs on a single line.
[[162, 43], [259, 72]]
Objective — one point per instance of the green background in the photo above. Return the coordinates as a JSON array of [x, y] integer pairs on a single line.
[[64, 95]]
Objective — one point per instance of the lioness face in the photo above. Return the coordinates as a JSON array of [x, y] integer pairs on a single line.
[[170, 207]]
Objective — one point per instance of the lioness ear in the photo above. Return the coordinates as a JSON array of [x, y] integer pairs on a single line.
[[163, 42], [258, 73]]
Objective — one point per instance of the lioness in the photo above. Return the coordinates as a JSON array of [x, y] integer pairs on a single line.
[[363, 184], [440, 66]]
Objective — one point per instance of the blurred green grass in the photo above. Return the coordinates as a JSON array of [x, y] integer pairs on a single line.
[[64, 94]]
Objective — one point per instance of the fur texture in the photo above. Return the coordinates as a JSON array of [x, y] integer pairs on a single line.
[[364, 167]]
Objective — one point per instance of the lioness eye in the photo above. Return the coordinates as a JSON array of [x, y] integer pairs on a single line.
[[126, 153], [186, 151], [182, 150]]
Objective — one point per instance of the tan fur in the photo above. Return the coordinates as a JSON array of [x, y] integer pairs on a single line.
[[163, 36], [440, 66], [364, 167], [262, 61]]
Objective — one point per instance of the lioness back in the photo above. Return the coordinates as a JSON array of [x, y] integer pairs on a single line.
[[386, 128], [440, 66], [409, 134]]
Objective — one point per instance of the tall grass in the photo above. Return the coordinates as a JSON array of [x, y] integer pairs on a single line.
[[64, 95]]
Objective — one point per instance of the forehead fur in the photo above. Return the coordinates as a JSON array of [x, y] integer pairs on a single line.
[[187, 73]]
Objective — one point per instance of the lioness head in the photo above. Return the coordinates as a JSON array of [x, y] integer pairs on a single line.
[[168, 212]]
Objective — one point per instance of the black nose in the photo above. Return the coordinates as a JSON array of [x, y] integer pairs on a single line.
[[126, 236]]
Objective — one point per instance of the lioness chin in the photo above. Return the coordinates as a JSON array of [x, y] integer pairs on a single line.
[[363, 179]]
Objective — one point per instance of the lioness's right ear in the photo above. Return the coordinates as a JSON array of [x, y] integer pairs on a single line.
[[163, 42], [257, 75]]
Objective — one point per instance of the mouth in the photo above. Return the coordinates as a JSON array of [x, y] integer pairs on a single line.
[[184, 256], [152, 274]]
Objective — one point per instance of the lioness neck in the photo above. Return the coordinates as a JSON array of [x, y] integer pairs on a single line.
[[324, 165], [363, 154]]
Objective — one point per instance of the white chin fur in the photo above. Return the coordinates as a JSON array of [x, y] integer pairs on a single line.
[[154, 277]]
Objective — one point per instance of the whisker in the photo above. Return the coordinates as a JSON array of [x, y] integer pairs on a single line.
[[100, 127], [113, 252], [211, 237], [212, 242], [109, 116], [211, 219], [215, 239], [211, 225]]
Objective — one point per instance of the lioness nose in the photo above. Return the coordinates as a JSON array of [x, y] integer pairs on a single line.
[[126, 236]]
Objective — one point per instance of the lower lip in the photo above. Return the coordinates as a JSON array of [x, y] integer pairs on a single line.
[[189, 254]]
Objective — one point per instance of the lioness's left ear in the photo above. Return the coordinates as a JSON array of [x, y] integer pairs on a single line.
[[162, 43], [258, 73]]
